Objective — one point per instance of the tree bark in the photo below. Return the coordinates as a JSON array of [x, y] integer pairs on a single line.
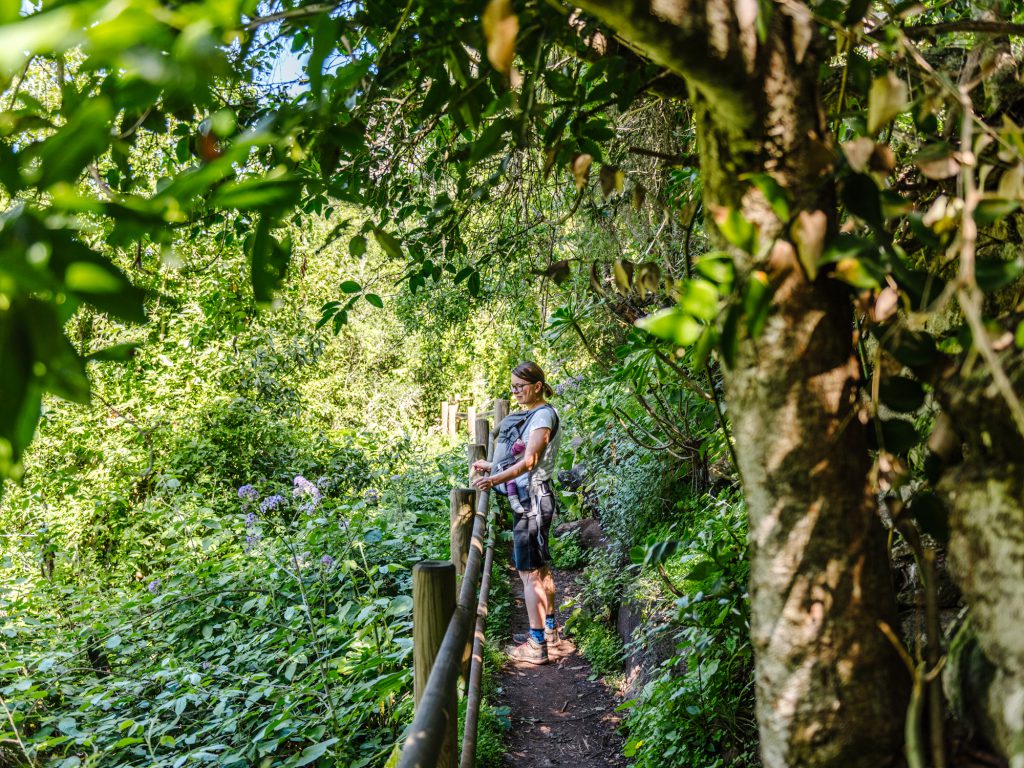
[[830, 689]]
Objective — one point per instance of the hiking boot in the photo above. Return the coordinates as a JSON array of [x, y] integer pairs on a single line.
[[530, 652], [551, 636]]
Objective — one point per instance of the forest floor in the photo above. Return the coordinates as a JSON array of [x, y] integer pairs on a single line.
[[560, 715]]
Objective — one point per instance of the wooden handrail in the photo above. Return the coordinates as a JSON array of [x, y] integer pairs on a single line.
[[473, 695], [424, 743]]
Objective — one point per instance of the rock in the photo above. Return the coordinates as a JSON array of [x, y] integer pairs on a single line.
[[589, 532]]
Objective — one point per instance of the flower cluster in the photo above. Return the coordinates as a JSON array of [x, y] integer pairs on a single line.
[[271, 503], [154, 586], [248, 493], [573, 382], [327, 561], [250, 520], [305, 488], [252, 540]]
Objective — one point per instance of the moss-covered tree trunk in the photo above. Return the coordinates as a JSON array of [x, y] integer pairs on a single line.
[[830, 690]]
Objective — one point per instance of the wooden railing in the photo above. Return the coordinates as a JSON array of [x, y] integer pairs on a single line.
[[442, 624]]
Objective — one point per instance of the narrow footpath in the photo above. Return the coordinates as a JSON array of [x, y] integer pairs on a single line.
[[559, 716]]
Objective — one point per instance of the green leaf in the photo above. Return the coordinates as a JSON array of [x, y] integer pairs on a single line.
[[489, 141], [463, 274], [716, 266], [757, 299], [86, 134], [309, 754], [350, 286], [899, 436], [901, 394], [991, 211], [257, 194], [357, 246], [855, 11], [993, 274], [268, 260], [700, 299], [672, 324], [325, 37], [912, 348], [389, 243], [703, 571], [474, 284], [659, 552], [113, 642], [773, 192], [931, 515], [374, 300], [737, 230], [559, 84], [861, 198], [62, 370]]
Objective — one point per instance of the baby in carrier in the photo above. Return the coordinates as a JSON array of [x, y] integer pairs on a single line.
[[512, 487]]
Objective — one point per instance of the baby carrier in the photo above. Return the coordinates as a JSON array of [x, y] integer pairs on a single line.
[[512, 428]]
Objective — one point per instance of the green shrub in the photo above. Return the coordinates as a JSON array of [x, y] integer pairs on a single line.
[[698, 708], [598, 643], [567, 553]]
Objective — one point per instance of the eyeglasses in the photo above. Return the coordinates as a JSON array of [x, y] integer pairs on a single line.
[[517, 388]]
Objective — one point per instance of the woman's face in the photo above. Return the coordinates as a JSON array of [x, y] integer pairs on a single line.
[[523, 391]]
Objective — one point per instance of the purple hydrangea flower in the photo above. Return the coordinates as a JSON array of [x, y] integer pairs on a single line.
[[154, 586], [250, 520], [248, 493], [271, 503], [252, 540], [327, 561], [305, 488]]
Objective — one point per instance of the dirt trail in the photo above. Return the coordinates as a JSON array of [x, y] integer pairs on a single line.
[[559, 717]]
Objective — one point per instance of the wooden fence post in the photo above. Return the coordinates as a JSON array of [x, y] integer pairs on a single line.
[[444, 417], [433, 603], [500, 412], [470, 419], [453, 419], [475, 452], [461, 531], [480, 429]]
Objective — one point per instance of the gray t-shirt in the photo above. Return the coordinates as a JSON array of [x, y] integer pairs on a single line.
[[545, 468]]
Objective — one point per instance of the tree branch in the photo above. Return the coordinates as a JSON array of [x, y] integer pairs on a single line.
[[965, 25], [683, 45], [677, 161]]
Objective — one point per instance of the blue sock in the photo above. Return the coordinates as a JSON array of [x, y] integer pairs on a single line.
[[549, 621], [537, 634]]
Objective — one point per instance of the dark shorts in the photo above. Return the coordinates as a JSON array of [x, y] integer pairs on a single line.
[[530, 530]]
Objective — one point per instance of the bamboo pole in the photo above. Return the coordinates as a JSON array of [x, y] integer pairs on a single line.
[[460, 531], [433, 599]]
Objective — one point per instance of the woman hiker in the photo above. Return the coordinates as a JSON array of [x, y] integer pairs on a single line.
[[524, 463]]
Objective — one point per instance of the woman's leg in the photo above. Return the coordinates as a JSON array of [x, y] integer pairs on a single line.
[[535, 595]]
